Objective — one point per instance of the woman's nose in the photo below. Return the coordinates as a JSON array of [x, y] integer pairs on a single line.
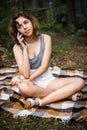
[[24, 26]]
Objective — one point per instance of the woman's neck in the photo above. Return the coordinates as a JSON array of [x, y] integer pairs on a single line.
[[30, 39]]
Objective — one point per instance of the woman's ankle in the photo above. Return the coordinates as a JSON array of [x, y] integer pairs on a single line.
[[38, 102]]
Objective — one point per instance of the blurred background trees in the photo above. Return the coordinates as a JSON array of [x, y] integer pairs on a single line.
[[62, 19], [60, 15]]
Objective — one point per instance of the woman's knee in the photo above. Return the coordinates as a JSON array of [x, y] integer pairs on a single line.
[[26, 88], [82, 82], [79, 83]]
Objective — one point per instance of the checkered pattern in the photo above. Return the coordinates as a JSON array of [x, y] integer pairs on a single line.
[[13, 102]]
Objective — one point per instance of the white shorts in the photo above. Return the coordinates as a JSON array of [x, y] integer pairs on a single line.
[[43, 80]]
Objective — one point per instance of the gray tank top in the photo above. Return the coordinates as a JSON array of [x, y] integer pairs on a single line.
[[36, 61]]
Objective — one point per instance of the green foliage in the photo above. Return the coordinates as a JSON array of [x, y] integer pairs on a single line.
[[72, 28], [63, 45], [7, 10], [10, 53], [47, 26], [4, 26], [73, 37], [61, 9], [53, 27], [59, 28]]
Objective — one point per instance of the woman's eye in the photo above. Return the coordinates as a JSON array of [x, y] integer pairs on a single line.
[[19, 26], [25, 22]]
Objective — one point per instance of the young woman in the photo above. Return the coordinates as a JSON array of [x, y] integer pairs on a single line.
[[32, 52]]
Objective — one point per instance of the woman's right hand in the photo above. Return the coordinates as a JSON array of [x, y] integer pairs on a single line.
[[21, 39]]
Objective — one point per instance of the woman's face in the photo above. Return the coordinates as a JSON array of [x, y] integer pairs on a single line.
[[24, 26]]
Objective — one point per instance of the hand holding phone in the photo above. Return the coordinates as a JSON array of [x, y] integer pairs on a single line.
[[21, 38]]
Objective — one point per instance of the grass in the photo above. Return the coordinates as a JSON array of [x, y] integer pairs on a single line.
[[7, 122]]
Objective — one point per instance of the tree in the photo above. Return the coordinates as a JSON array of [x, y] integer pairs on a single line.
[[20, 4], [70, 13], [34, 4]]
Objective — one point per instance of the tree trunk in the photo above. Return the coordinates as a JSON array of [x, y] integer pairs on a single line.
[[34, 4], [70, 13], [21, 4]]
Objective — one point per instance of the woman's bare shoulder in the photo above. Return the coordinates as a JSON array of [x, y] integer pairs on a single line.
[[15, 47], [47, 36]]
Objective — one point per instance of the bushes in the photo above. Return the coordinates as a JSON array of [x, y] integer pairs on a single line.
[[4, 27], [53, 27]]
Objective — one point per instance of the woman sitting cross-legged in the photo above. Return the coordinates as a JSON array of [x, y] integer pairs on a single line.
[[32, 52]]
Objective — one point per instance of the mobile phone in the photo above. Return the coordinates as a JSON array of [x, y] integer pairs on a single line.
[[23, 39]]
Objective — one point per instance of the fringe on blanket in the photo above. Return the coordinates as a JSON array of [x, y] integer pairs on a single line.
[[12, 101]]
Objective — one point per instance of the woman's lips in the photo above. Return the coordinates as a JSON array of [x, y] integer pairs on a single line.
[[28, 31]]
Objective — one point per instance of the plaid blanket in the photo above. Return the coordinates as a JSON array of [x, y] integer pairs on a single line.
[[13, 102]]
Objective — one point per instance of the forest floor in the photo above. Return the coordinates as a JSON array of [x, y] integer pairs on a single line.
[[72, 56]]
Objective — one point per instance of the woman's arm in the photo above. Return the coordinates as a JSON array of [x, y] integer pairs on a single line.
[[22, 57], [45, 59], [22, 60]]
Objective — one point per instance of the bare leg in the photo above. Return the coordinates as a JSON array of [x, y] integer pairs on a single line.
[[68, 86], [58, 89]]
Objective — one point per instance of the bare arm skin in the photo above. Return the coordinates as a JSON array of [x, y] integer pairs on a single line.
[[22, 57]]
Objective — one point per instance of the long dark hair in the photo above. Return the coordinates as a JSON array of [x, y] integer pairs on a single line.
[[13, 29]]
